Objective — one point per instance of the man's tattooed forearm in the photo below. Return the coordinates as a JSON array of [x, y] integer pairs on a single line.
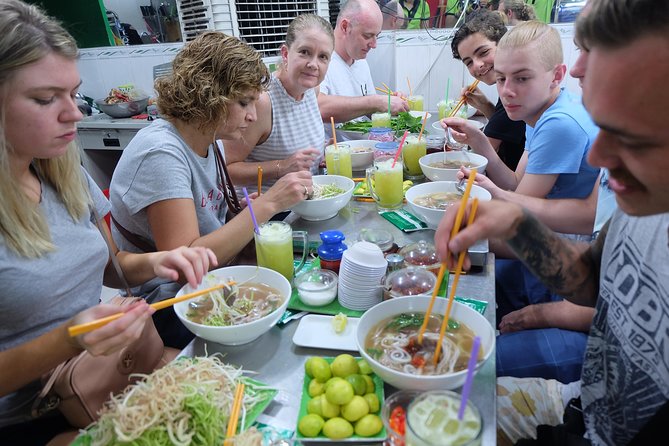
[[556, 261]]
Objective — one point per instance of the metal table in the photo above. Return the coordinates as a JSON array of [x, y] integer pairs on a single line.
[[280, 363]]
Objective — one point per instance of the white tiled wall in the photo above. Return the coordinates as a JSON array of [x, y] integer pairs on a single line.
[[423, 56]]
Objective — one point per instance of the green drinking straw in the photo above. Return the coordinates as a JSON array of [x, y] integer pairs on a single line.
[[448, 87], [388, 103]]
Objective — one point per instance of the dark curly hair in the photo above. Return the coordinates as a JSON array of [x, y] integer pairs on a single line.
[[208, 74], [488, 23]]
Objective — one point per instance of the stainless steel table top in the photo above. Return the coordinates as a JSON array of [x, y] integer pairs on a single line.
[[280, 363]]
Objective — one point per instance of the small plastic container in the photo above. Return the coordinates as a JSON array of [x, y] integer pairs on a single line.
[[317, 287], [421, 254], [392, 420], [383, 149], [331, 250], [381, 238], [408, 282], [435, 143], [382, 134]]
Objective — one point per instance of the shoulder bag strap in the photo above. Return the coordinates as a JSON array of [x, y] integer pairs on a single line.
[[142, 243], [114, 260], [224, 180]]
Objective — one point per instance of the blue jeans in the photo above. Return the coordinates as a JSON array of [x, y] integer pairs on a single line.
[[549, 353]]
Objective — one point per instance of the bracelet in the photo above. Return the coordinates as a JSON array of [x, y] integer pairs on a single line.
[[278, 168]]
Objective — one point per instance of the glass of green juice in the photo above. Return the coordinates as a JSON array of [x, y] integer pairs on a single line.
[[413, 150], [432, 420], [445, 108], [416, 102], [381, 120], [274, 248], [385, 183], [338, 160]]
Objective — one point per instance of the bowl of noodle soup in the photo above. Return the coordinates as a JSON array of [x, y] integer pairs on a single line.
[[241, 313], [444, 166], [429, 201], [387, 338]]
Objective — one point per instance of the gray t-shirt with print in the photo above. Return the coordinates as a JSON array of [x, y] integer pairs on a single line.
[[39, 294], [158, 165]]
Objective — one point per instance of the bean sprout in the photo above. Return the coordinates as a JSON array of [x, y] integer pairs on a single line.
[[186, 402]]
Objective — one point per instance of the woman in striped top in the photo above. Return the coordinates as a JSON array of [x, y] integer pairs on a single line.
[[288, 135]]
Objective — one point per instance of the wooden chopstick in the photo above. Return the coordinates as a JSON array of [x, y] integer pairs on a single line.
[[259, 180], [463, 99], [451, 296], [77, 330], [234, 414]]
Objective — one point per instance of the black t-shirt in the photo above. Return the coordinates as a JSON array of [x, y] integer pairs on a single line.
[[511, 133]]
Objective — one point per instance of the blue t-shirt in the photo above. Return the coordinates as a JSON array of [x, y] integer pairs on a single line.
[[559, 144]]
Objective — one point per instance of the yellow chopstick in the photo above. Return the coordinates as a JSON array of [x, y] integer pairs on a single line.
[[461, 257], [388, 91], [451, 296], [463, 99], [440, 278], [77, 330], [234, 414], [259, 179]]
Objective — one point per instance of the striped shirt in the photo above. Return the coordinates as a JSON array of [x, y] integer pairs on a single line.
[[296, 125]]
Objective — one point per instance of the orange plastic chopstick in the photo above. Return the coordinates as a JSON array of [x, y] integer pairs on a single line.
[[451, 296], [77, 330], [234, 414], [463, 99]]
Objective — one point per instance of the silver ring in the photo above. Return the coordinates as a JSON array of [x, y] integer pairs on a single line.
[[306, 191]]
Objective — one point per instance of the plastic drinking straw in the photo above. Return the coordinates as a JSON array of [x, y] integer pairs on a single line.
[[409, 84], [422, 127], [467, 386], [334, 134], [389, 103], [399, 149], [253, 216], [259, 180], [448, 87]]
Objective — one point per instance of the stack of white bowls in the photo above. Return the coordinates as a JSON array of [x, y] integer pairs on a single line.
[[362, 268]]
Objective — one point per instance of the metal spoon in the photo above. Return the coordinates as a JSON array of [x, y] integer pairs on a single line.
[[460, 186]]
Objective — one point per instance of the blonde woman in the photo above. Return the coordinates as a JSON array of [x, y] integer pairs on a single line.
[[288, 135], [171, 188], [53, 259], [516, 11]]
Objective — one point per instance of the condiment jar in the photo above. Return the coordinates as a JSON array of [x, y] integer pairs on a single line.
[[421, 254], [395, 262], [331, 250], [384, 149], [381, 238], [408, 282], [383, 134], [435, 143]]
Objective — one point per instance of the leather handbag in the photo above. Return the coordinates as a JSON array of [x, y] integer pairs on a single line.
[[80, 386]]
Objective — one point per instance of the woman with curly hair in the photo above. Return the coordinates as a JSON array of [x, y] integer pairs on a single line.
[[171, 188]]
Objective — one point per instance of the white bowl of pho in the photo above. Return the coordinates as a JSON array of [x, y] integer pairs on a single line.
[[387, 338], [331, 193], [362, 153], [429, 201], [241, 313], [444, 166]]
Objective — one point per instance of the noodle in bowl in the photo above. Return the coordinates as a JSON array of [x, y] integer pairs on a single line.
[[406, 376], [245, 326]]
